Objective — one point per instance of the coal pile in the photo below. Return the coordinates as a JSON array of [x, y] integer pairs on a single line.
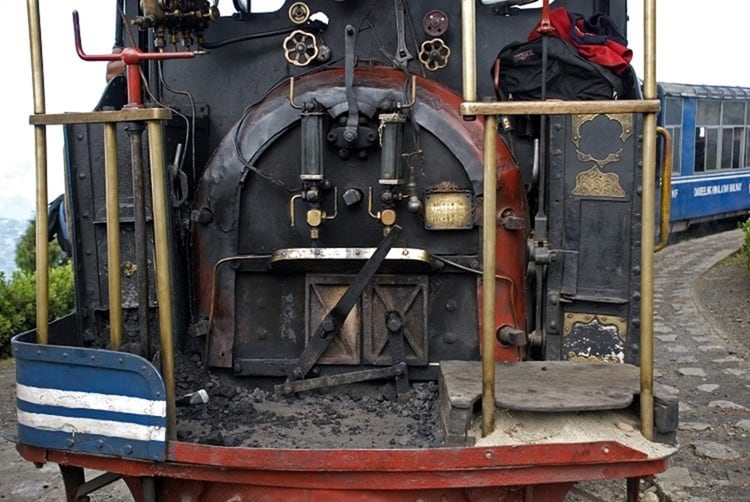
[[239, 413]]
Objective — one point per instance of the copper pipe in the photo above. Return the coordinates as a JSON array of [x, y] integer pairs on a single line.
[[665, 202], [40, 144], [488, 274], [163, 267], [113, 235], [469, 49], [499, 277], [647, 226]]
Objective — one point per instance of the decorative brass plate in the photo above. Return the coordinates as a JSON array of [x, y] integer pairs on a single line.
[[594, 338], [595, 183], [448, 210], [619, 323]]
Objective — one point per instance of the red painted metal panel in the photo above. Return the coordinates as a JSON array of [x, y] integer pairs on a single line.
[[437, 459], [378, 474]]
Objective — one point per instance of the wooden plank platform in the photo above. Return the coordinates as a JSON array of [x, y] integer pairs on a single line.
[[551, 389], [545, 386]]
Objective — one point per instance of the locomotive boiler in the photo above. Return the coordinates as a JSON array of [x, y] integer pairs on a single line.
[[323, 251]]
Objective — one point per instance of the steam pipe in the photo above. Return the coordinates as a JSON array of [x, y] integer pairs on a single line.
[[131, 56], [135, 131], [40, 143]]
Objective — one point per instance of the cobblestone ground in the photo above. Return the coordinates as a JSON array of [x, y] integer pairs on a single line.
[[702, 357], [706, 364]]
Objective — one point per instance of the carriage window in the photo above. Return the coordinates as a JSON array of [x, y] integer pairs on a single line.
[[737, 147], [676, 133], [734, 113], [712, 144], [673, 113], [700, 149], [706, 148], [727, 142], [709, 112]]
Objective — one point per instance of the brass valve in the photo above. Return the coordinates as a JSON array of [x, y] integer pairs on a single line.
[[387, 217], [300, 48], [315, 216], [434, 54]]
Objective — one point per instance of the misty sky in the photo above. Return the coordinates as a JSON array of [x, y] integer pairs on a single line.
[[698, 42]]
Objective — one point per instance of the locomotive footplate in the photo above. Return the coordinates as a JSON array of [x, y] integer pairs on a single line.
[[539, 388]]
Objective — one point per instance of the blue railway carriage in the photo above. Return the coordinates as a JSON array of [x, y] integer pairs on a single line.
[[710, 127]]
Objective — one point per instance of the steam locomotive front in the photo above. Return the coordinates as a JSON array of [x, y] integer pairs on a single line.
[[343, 227]]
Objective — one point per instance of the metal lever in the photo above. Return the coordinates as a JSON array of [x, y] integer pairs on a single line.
[[403, 56], [394, 322], [352, 119], [397, 370], [331, 323]]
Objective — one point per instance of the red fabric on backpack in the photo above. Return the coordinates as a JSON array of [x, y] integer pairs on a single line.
[[596, 47]]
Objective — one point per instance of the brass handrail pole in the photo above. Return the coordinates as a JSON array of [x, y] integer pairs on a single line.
[[647, 226], [557, 107], [113, 235], [163, 266], [665, 198], [469, 49], [40, 147], [469, 68], [489, 210]]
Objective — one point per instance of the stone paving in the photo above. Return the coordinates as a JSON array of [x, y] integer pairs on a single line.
[[710, 373]]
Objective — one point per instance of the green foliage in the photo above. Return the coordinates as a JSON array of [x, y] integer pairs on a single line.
[[746, 243], [26, 250], [18, 294]]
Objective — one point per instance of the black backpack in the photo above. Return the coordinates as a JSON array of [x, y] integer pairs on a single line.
[[517, 73]]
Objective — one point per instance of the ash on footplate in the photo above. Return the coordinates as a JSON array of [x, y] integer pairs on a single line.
[[367, 415]]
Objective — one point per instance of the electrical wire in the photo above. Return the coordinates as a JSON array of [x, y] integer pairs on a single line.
[[191, 123]]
